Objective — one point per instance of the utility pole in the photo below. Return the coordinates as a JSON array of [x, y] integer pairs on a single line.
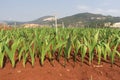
[[56, 24]]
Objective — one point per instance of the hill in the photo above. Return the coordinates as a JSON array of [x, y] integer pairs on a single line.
[[42, 20], [77, 20], [88, 19]]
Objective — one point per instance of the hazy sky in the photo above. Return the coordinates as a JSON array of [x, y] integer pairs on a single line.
[[26, 10]]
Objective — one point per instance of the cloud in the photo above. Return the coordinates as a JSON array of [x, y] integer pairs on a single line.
[[109, 11]]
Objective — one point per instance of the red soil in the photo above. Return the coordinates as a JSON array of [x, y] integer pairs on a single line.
[[72, 71], [59, 72]]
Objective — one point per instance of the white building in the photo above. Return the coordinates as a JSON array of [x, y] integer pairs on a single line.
[[116, 25]]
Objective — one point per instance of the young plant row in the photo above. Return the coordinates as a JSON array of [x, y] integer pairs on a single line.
[[28, 44]]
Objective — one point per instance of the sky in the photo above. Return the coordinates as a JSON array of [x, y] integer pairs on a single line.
[[27, 10]]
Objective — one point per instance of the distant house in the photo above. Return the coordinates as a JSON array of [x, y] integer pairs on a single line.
[[108, 24], [116, 25], [30, 25]]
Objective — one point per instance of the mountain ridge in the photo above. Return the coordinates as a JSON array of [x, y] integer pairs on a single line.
[[80, 19]]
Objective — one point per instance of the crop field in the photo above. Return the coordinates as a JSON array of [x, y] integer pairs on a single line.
[[45, 43], [76, 45]]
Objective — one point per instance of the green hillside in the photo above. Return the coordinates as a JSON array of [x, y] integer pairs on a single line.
[[77, 20]]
